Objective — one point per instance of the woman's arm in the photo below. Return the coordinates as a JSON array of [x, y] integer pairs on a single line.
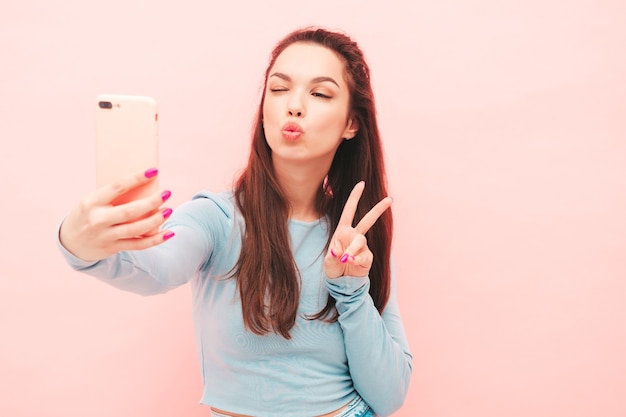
[[122, 244], [376, 346], [160, 268]]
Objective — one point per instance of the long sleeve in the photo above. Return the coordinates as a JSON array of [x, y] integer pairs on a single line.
[[376, 346], [168, 265]]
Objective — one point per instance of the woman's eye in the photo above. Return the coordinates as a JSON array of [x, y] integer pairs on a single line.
[[321, 95], [277, 89]]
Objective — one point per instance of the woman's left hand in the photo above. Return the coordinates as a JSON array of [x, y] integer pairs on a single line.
[[348, 253]]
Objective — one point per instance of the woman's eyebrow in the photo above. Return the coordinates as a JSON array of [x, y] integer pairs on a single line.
[[315, 80]]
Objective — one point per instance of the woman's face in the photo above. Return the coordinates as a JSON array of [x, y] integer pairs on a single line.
[[306, 111]]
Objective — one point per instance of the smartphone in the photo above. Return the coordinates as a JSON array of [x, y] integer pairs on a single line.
[[126, 140]]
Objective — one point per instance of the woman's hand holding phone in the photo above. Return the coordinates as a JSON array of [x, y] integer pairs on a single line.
[[96, 228]]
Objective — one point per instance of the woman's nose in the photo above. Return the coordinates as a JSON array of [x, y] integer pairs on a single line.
[[295, 107]]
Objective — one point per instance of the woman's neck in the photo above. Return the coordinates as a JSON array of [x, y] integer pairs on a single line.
[[301, 185]]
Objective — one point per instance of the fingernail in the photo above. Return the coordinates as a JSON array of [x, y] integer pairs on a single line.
[[344, 258], [166, 195], [151, 172], [168, 235], [167, 213], [332, 252]]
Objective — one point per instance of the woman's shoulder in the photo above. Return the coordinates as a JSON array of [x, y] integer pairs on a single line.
[[206, 209], [223, 201]]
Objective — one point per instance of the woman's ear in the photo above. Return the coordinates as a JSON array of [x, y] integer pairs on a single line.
[[351, 129]]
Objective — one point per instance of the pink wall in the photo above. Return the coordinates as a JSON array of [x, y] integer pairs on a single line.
[[505, 129]]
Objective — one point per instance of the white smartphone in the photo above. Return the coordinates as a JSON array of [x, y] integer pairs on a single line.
[[126, 140]]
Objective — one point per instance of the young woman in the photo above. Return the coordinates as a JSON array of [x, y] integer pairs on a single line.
[[295, 309]]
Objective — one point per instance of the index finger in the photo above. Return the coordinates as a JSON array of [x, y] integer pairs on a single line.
[[108, 193], [372, 216], [349, 210]]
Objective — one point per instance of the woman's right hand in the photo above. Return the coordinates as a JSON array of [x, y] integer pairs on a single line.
[[96, 229]]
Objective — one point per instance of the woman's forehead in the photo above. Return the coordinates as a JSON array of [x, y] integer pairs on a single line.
[[306, 61]]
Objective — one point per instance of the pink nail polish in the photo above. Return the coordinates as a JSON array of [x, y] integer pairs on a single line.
[[332, 252], [166, 195], [168, 235], [151, 172], [167, 213], [344, 258]]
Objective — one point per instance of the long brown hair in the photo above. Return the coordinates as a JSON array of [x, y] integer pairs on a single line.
[[267, 277]]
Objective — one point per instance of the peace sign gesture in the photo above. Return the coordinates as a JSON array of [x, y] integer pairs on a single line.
[[348, 253]]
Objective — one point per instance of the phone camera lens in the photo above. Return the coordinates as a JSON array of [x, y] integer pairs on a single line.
[[105, 105]]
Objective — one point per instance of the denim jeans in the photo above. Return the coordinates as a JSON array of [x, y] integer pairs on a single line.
[[356, 408]]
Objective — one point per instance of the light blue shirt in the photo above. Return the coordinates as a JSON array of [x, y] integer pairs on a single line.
[[321, 368]]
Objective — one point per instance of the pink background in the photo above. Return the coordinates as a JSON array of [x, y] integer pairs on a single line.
[[505, 132]]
